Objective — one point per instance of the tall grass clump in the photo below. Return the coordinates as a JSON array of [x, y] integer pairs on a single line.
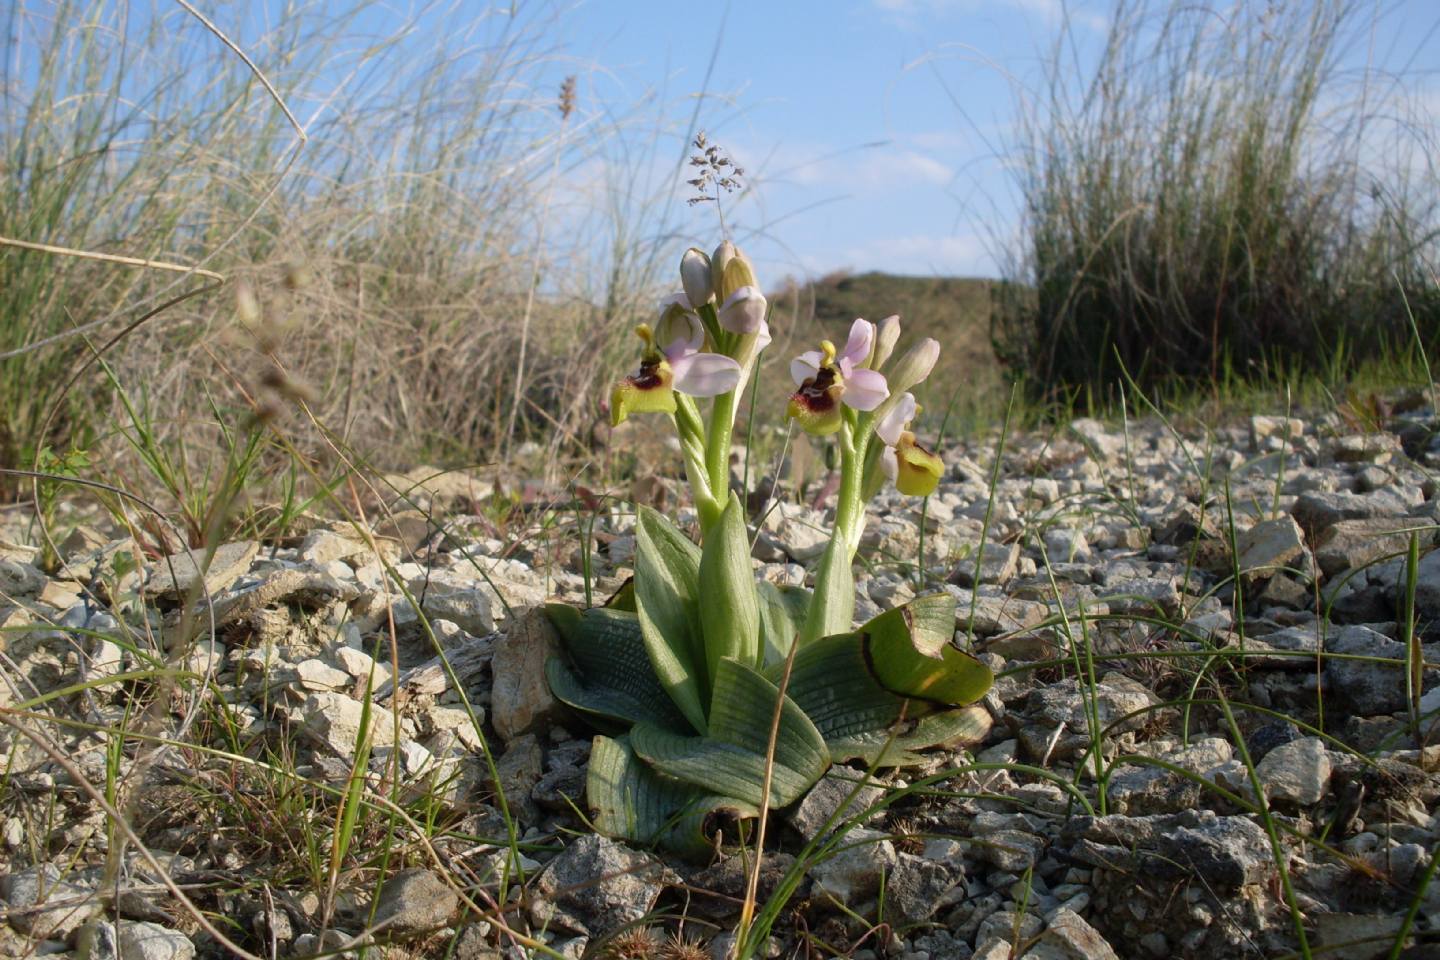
[[373, 183], [1211, 193]]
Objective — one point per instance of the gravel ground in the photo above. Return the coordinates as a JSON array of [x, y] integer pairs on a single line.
[[1147, 582]]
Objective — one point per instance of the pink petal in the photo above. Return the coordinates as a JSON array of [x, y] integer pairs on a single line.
[[676, 299], [691, 336], [705, 374], [743, 311], [858, 344], [805, 366], [893, 423], [865, 390], [888, 464]]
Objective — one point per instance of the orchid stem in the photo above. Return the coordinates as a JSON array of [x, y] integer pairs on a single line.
[[717, 455]]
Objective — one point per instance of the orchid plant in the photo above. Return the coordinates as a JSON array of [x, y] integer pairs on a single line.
[[719, 693]]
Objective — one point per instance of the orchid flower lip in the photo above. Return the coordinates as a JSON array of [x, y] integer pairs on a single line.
[[860, 388]]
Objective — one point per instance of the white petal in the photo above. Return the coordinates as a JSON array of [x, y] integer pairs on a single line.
[[858, 344], [893, 423], [743, 311], [762, 337], [888, 464], [865, 390], [705, 374], [805, 366]]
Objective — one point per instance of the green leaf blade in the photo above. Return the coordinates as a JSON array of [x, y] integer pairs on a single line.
[[667, 570], [729, 608], [607, 671]]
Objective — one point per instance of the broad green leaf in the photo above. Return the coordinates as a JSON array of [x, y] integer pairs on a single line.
[[633, 802], [782, 610], [832, 682], [965, 725], [667, 567], [856, 686], [832, 607], [606, 671], [624, 598], [732, 759], [729, 611], [910, 652]]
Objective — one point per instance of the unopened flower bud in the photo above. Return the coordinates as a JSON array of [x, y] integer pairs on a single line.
[[887, 331], [738, 275], [695, 277], [914, 366], [723, 254]]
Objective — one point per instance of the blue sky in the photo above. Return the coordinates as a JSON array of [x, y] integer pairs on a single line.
[[875, 131], [858, 156]]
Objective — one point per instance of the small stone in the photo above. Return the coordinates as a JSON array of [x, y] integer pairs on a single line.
[[1297, 772], [1366, 687], [1285, 428], [596, 885], [467, 605], [34, 886], [20, 580], [521, 698], [993, 615], [997, 564], [1351, 544], [1376, 448], [323, 546], [333, 721], [826, 803], [138, 940], [917, 887], [319, 675], [416, 901], [1273, 546], [1069, 937], [179, 574], [853, 873]]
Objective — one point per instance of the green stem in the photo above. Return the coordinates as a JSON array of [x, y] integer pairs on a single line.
[[850, 501], [687, 427], [717, 453]]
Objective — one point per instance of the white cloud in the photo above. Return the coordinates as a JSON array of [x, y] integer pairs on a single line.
[[900, 168], [921, 254], [1050, 12]]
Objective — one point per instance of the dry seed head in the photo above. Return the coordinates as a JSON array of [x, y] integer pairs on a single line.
[[716, 171], [567, 97], [679, 947], [637, 943]]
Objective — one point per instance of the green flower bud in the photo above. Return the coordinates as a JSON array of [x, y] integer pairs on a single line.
[[913, 367], [887, 331]]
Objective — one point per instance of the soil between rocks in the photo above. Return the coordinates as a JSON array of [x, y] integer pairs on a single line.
[[1144, 584]]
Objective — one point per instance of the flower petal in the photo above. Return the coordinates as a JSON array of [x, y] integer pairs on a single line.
[[705, 374], [887, 462], [858, 344], [865, 390], [762, 337], [805, 366], [743, 311], [682, 334], [893, 423]]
